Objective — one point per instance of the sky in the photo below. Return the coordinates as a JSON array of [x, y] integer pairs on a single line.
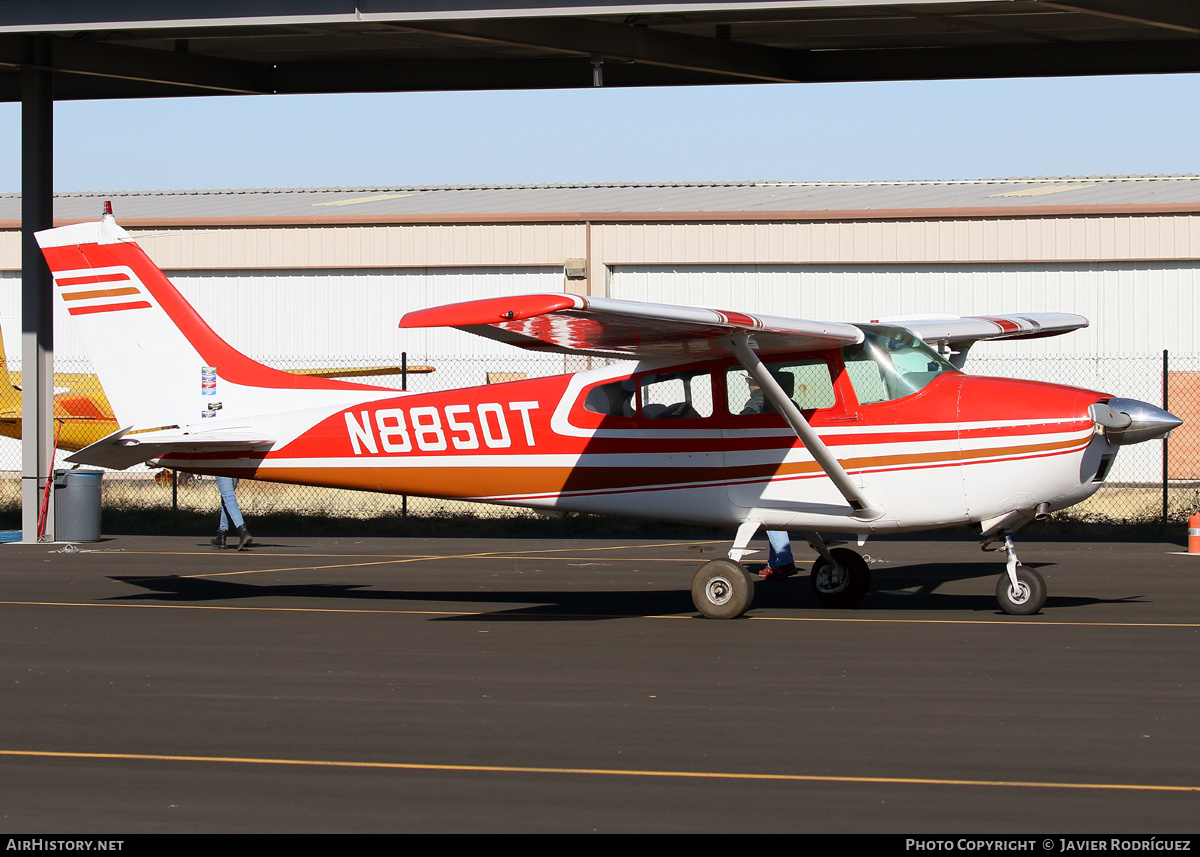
[[970, 129]]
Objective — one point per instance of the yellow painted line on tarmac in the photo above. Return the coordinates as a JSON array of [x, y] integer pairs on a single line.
[[127, 604], [259, 554], [401, 560], [393, 561], [406, 558], [1023, 622], [511, 612], [601, 772]]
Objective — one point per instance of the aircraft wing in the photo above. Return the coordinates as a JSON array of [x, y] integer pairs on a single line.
[[571, 324], [120, 450], [959, 332]]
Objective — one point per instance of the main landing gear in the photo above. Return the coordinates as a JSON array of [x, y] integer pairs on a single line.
[[722, 589], [1021, 591], [840, 577]]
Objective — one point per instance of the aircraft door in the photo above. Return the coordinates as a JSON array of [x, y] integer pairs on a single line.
[[909, 445], [766, 464]]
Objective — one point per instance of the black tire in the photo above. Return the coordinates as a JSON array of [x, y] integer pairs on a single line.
[[853, 586], [722, 589], [1029, 597]]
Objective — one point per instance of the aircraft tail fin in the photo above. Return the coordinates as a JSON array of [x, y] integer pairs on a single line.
[[10, 396], [160, 363]]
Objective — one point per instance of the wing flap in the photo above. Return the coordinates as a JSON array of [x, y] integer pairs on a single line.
[[571, 324]]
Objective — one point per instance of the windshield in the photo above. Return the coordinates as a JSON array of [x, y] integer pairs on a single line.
[[890, 363]]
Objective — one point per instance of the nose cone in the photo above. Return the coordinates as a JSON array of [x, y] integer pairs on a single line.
[[1129, 421]]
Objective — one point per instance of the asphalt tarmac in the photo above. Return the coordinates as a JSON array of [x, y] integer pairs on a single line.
[[152, 684]]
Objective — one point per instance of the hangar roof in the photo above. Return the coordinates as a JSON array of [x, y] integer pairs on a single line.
[[657, 201]]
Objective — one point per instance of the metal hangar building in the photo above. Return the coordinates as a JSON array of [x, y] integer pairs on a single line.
[[295, 274]]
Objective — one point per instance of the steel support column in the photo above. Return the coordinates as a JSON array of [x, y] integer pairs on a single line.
[[37, 319]]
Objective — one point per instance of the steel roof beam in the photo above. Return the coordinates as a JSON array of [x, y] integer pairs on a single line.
[[460, 75], [192, 73], [626, 43], [995, 61], [985, 61], [1180, 15]]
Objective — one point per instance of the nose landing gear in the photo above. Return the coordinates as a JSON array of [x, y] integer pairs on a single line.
[[1021, 591]]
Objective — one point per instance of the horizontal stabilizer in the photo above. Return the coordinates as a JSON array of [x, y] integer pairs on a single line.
[[119, 450], [571, 324]]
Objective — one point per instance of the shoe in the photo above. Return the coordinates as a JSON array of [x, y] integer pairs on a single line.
[[780, 573], [244, 540], [219, 540]]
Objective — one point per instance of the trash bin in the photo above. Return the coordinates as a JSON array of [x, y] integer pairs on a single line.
[[77, 505]]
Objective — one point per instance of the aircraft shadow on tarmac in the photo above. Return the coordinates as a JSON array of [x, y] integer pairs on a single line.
[[911, 589]]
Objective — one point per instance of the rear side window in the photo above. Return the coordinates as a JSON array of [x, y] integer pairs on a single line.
[[611, 400], [679, 395]]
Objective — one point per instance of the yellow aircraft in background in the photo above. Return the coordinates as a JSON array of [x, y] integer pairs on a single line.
[[83, 415], [81, 410]]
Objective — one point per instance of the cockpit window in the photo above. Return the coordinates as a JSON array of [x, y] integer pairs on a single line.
[[890, 363]]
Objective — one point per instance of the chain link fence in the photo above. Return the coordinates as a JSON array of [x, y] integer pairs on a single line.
[[1151, 481], [1158, 480]]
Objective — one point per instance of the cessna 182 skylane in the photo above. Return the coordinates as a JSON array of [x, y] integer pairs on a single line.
[[844, 429]]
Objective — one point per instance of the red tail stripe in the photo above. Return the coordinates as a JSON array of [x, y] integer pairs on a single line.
[[86, 310], [103, 278]]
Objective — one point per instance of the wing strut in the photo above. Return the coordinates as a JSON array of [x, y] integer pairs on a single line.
[[864, 509]]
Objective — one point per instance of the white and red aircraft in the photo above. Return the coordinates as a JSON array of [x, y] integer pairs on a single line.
[[844, 429]]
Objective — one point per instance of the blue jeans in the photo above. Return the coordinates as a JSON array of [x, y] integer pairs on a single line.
[[781, 548], [229, 506]]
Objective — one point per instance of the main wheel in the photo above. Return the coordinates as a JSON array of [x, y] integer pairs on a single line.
[[1026, 598], [722, 589], [843, 586]]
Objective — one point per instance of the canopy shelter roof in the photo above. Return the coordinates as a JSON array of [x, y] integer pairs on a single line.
[[138, 48]]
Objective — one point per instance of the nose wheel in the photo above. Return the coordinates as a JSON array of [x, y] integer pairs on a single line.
[[1024, 598], [1021, 591], [722, 589]]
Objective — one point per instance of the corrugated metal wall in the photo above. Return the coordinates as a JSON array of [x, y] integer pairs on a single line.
[[289, 315], [1134, 307], [939, 239]]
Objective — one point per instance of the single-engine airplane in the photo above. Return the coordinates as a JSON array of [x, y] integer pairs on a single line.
[[712, 417]]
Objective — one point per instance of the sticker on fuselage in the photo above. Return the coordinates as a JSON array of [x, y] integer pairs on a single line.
[[208, 381]]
